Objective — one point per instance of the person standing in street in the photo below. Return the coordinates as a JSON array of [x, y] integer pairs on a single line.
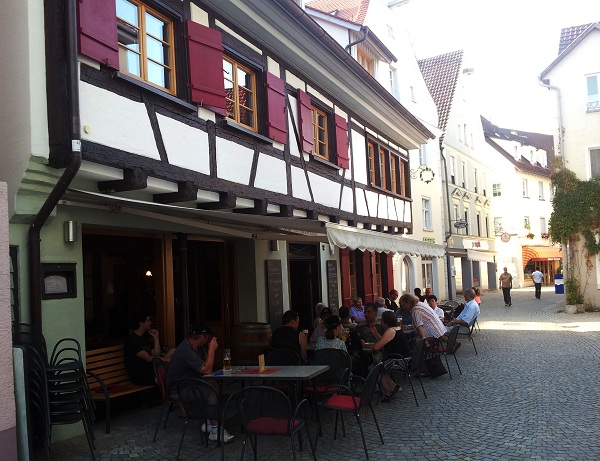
[[506, 284], [537, 278]]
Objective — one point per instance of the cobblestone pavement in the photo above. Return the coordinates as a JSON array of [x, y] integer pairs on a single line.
[[531, 394]]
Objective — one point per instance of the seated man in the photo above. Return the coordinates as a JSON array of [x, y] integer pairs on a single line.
[[469, 312], [425, 322], [190, 360], [287, 336], [433, 303], [391, 301], [381, 308], [368, 330], [404, 312], [357, 312], [141, 346]]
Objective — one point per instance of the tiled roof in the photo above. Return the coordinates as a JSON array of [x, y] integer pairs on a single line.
[[569, 34], [527, 138], [353, 11], [441, 75]]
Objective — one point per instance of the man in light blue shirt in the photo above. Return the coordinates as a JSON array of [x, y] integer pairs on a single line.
[[469, 313]]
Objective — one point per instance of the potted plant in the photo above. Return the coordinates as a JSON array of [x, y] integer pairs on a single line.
[[530, 236], [545, 235]]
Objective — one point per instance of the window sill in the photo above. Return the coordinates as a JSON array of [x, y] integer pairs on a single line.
[[326, 163], [151, 89], [234, 126], [389, 192]]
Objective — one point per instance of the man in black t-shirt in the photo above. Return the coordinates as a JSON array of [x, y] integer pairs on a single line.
[[287, 336]]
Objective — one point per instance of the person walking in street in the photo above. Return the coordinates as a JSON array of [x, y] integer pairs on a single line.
[[537, 276], [506, 284]]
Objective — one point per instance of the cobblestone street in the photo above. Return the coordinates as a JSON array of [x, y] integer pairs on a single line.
[[531, 393]]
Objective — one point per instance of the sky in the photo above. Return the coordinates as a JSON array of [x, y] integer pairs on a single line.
[[508, 43]]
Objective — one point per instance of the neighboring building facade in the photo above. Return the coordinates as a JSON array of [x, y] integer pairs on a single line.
[[466, 174], [373, 33], [522, 168], [214, 160], [573, 77]]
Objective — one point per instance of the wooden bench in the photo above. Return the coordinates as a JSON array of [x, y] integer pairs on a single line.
[[108, 377]]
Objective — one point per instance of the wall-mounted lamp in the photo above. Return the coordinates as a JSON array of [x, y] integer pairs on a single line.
[[425, 174], [148, 273], [70, 231]]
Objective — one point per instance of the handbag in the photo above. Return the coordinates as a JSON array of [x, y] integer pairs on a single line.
[[435, 367]]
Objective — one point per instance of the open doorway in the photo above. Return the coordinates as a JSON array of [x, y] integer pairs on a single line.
[[304, 281]]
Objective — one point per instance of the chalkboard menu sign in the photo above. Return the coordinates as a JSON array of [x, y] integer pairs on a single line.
[[332, 286], [275, 292]]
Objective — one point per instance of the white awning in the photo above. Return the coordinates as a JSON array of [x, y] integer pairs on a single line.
[[482, 256], [362, 239]]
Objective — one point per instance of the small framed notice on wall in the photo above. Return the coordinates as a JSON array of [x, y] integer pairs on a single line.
[[59, 280]]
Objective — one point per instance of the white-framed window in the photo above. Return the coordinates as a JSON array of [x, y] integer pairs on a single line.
[[423, 154], [475, 181], [487, 225], [595, 163], [525, 188], [466, 229], [456, 215], [453, 169], [478, 218], [427, 224], [496, 189], [498, 225], [466, 133], [543, 226], [413, 98], [393, 82], [593, 96], [463, 168], [484, 184], [541, 190]]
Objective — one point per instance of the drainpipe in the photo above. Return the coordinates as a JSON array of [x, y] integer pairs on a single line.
[[560, 154], [449, 232], [365, 32], [34, 242]]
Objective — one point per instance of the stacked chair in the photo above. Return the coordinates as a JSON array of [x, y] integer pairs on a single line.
[[57, 391]]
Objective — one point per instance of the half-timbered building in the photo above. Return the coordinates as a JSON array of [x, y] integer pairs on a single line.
[[211, 160]]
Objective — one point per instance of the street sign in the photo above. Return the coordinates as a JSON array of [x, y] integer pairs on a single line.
[[505, 237]]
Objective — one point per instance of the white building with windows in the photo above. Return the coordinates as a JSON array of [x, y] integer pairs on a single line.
[[374, 33], [573, 78], [521, 182]]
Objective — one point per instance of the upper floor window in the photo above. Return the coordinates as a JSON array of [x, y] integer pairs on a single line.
[[240, 93], [464, 174], [387, 170], [427, 224], [423, 154], [146, 46], [541, 190], [366, 61], [321, 129], [496, 190], [525, 189], [475, 181], [453, 169], [593, 97]]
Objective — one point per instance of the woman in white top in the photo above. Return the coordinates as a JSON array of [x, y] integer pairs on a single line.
[[331, 340]]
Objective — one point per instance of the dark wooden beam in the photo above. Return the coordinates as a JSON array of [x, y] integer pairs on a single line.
[[260, 208], [286, 211], [133, 179], [226, 202], [187, 191], [312, 214], [334, 219]]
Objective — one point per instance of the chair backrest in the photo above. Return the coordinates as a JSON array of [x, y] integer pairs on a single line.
[[452, 336], [417, 357], [283, 357], [199, 399], [262, 410], [160, 372], [340, 365], [370, 382], [66, 348], [25, 334]]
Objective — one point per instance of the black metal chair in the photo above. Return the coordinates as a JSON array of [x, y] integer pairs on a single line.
[[160, 372], [266, 411], [469, 331], [283, 357], [346, 401], [448, 348]]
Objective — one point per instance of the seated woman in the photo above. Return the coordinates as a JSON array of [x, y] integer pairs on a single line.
[[477, 295], [345, 316], [331, 340], [392, 341]]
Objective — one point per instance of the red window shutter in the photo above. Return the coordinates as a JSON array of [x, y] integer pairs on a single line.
[[277, 120], [205, 54], [389, 264], [341, 141], [307, 134], [368, 276], [345, 276], [97, 31]]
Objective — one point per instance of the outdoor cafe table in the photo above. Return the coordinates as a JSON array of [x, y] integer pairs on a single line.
[[293, 374]]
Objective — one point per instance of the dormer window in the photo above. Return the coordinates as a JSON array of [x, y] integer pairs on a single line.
[[365, 60]]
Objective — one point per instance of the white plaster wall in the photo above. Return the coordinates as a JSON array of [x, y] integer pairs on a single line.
[[24, 127], [359, 157], [7, 398], [347, 200], [299, 185], [186, 146], [361, 203], [234, 161], [325, 191], [372, 202], [382, 211], [270, 174], [198, 15], [116, 121]]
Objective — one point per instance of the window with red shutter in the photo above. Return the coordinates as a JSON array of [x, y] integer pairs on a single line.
[[277, 120], [341, 141], [205, 54], [307, 134], [97, 31]]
